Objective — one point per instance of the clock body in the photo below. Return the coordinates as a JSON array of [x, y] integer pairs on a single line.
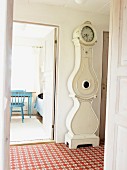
[[82, 122]]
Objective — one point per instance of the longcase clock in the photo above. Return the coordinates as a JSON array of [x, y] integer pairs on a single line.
[[82, 122]]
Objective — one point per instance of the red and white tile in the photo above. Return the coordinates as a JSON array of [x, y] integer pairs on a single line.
[[56, 157]]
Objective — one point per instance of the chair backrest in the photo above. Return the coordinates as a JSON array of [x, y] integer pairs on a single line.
[[17, 97]]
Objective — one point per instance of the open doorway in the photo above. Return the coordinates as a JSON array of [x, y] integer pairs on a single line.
[[104, 85], [34, 51]]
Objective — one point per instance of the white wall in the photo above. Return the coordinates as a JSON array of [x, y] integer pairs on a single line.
[[33, 85], [67, 20], [24, 48]]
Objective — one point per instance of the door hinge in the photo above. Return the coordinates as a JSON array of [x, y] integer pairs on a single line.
[[55, 41], [52, 126]]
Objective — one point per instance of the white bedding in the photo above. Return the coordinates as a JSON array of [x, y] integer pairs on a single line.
[[39, 105]]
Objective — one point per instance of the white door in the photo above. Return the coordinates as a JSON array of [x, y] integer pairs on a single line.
[[104, 84], [116, 116], [49, 85]]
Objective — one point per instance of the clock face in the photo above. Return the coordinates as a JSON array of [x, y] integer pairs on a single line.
[[87, 34]]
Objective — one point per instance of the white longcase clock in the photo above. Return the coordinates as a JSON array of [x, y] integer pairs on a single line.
[[82, 122]]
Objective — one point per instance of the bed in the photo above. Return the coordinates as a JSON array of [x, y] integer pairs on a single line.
[[39, 104]]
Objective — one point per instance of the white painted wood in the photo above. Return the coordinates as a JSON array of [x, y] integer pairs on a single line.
[[104, 84], [6, 16], [48, 86], [116, 118], [82, 122], [74, 140]]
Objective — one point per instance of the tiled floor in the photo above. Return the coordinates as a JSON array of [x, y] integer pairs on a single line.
[[56, 157]]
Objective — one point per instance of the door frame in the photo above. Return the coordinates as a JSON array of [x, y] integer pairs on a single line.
[[56, 59], [6, 21], [5, 46], [103, 116]]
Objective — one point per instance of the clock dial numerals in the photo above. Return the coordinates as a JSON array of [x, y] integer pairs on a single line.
[[87, 34]]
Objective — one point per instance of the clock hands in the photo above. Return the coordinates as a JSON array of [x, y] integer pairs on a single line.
[[87, 37]]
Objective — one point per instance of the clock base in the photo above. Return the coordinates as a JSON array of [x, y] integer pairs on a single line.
[[74, 140]]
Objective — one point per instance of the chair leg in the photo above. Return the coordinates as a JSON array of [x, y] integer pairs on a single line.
[[22, 114]]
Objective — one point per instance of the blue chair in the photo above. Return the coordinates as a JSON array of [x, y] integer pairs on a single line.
[[17, 101]]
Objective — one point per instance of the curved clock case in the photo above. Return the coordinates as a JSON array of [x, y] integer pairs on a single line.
[[82, 122], [85, 83]]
